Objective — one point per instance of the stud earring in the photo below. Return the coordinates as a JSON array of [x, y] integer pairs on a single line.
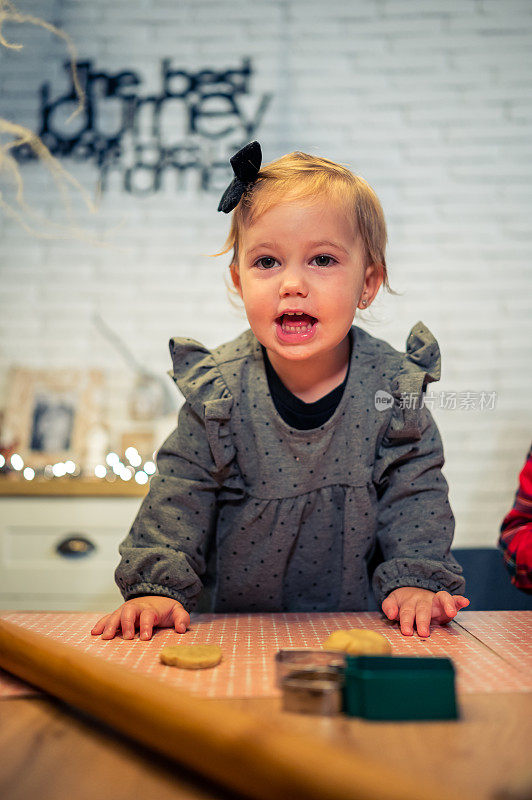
[[364, 302]]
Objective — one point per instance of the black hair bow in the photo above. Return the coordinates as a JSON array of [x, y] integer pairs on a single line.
[[246, 165]]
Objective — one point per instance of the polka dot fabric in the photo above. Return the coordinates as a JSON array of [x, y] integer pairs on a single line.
[[290, 518]]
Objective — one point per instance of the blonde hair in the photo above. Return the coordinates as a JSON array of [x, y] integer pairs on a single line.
[[302, 177]]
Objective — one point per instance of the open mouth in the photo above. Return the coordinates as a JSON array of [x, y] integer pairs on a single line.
[[296, 322]]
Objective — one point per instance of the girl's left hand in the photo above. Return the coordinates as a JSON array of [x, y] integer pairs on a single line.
[[409, 604]]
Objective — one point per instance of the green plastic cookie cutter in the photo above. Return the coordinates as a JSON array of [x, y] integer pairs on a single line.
[[399, 688]]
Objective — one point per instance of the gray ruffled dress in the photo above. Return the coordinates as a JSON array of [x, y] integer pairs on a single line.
[[247, 513]]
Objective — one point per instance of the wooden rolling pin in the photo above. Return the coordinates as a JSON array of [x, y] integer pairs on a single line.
[[261, 758]]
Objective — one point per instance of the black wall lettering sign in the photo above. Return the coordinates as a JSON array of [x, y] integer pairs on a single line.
[[132, 136]]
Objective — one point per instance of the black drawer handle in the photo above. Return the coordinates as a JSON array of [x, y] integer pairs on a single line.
[[75, 546]]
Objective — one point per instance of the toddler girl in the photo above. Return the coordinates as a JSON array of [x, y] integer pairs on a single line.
[[303, 447]]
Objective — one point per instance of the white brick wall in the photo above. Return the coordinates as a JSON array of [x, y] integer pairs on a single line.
[[429, 100]]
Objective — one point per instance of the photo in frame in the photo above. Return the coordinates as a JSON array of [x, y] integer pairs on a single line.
[[49, 413]]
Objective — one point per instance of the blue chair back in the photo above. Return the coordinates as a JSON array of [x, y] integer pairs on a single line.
[[488, 582]]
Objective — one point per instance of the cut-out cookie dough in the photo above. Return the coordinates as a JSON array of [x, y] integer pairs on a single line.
[[358, 642], [191, 656]]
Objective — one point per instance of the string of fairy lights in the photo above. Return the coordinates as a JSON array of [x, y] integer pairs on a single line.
[[130, 468]]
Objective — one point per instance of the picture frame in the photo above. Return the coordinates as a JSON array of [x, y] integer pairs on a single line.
[[50, 412]]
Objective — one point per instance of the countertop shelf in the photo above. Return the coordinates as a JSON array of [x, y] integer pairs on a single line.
[[70, 487]]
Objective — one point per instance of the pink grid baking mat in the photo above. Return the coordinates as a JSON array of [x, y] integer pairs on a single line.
[[250, 641], [508, 633]]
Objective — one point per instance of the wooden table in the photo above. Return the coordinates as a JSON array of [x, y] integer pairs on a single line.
[[52, 751]]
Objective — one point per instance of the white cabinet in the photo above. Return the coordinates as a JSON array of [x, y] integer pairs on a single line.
[[35, 575]]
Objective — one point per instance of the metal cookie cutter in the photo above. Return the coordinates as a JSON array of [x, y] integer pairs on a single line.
[[292, 659], [316, 690], [311, 681]]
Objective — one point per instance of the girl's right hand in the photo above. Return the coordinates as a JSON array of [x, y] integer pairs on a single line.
[[145, 613]]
